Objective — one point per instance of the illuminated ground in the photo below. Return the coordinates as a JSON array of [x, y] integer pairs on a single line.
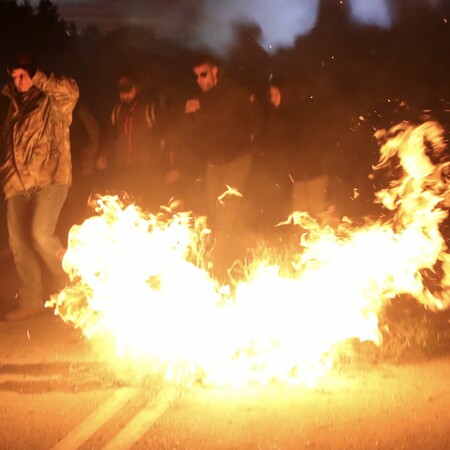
[[51, 381]]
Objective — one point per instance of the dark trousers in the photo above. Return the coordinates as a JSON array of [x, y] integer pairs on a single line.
[[32, 218]]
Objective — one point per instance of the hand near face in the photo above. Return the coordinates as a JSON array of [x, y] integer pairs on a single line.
[[192, 105], [101, 163], [172, 176]]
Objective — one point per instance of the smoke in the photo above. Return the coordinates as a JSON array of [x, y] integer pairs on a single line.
[[211, 22], [371, 12], [281, 20]]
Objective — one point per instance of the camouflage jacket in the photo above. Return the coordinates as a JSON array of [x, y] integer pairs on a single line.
[[35, 136]]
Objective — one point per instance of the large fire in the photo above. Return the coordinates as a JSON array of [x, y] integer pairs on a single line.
[[144, 279]]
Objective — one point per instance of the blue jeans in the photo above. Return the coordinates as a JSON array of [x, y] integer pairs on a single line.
[[32, 218]]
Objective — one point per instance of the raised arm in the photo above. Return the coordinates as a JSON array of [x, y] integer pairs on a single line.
[[63, 93]]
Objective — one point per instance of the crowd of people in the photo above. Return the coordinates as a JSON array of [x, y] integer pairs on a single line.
[[243, 158]]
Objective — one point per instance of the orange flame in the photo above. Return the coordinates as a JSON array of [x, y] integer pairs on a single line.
[[142, 279]]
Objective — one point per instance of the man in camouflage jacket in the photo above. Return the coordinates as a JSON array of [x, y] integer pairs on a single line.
[[37, 173]]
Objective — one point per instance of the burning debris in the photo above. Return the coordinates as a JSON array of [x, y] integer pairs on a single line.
[[143, 279], [229, 191]]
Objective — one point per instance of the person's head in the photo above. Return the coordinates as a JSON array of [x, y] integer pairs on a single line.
[[128, 89], [22, 68], [206, 70]]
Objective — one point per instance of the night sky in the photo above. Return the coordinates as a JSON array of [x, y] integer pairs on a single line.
[[209, 21]]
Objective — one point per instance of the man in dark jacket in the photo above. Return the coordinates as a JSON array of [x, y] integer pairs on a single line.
[[36, 174], [223, 120], [133, 153]]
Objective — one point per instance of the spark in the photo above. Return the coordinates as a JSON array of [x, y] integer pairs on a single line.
[[229, 191]]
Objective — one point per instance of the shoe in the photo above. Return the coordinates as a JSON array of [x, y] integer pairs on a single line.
[[23, 312]]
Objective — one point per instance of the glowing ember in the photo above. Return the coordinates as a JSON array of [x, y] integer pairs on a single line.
[[142, 279], [229, 191]]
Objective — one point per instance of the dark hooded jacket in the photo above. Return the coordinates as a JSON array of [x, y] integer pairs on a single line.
[[221, 129]]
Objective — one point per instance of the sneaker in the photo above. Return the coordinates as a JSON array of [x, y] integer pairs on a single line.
[[23, 312]]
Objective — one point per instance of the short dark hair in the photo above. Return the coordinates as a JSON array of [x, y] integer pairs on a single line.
[[205, 58], [126, 82], [23, 60]]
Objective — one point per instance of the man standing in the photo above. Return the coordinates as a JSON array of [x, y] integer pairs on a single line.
[[223, 123], [135, 162], [36, 174]]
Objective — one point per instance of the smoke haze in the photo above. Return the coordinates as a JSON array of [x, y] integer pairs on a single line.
[[371, 12], [210, 22]]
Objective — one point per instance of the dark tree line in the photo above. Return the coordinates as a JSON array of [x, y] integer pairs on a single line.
[[409, 59]]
